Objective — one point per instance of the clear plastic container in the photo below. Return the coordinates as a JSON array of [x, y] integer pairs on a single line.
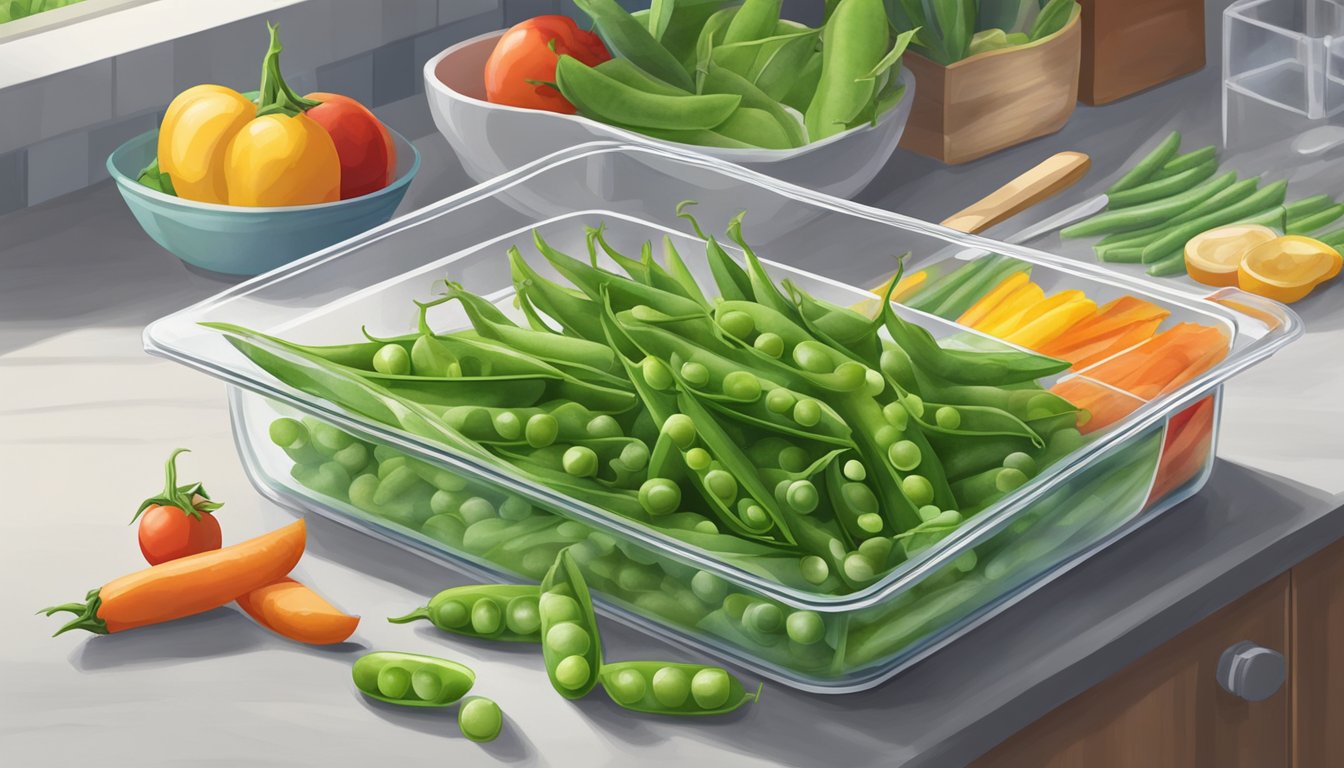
[[739, 607], [1283, 68]]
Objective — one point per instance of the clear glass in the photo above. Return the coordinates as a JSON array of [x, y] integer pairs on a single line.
[[1283, 68], [646, 574]]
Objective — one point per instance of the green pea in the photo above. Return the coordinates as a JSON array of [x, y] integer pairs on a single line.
[[869, 522], [411, 679], [541, 430], [804, 627], [814, 569], [928, 512], [873, 383], [480, 719], [561, 608], [807, 413], [444, 502], [572, 529], [659, 496], [1010, 479], [737, 323], [802, 496], [521, 615], [568, 639], [394, 681], [475, 509], [904, 455], [877, 550], [764, 617], [755, 516], [671, 686], [604, 426], [680, 430], [708, 587], [698, 459], [705, 526], [579, 461], [793, 459], [637, 578], [451, 613], [721, 484], [626, 686], [742, 385], [897, 364], [573, 672], [780, 400], [771, 344], [857, 567], [444, 528], [918, 489], [1020, 461], [885, 435], [813, 357], [486, 618], [947, 417], [287, 433], [392, 359], [855, 471], [426, 684], [656, 373], [736, 605], [915, 405], [635, 456], [859, 498], [710, 688], [515, 508], [695, 374], [896, 415], [508, 426]]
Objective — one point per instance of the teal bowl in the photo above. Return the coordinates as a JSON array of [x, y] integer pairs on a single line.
[[238, 240]]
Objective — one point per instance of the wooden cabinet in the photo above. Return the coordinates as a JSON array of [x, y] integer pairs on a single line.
[[1167, 710]]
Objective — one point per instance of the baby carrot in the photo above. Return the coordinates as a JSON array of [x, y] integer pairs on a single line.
[[292, 610], [188, 585]]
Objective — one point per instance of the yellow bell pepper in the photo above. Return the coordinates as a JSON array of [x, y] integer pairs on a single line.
[[216, 146], [981, 308], [1013, 305], [1052, 323]]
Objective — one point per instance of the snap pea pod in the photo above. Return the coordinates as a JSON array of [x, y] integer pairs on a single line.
[[605, 98], [670, 688], [625, 71], [799, 90], [843, 89], [840, 327], [723, 80], [572, 309], [698, 137], [757, 128], [1162, 188], [570, 643], [1185, 162], [644, 269], [1307, 206], [710, 37], [1149, 165], [778, 68], [1176, 238], [975, 421], [623, 294], [763, 288], [1147, 214], [676, 267], [410, 679], [504, 612], [1305, 225], [629, 39], [978, 491], [896, 629]]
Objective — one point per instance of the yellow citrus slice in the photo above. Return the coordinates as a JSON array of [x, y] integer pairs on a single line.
[[1212, 257], [1287, 268]]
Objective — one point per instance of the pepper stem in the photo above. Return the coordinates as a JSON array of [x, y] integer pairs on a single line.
[[180, 496], [416, 615], [86, 615], [276, 97]]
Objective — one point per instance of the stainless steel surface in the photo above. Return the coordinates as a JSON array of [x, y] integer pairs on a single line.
[[1251, 672]]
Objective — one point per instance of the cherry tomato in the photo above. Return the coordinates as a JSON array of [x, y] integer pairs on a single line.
[[524, 59], [178, 522]]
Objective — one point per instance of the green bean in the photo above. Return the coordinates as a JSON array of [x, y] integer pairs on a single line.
[[670, 688], [1333, 239], [599, 96], [479, 719], [565, 602], [453, 609], [1308, 205], [1309, 223], [984, 280], [1167, 266], [631, 40], [939, 289], [1149, 165], [1161, 188], [1233, 192], [845, 87], [1147, 214], [1185, 162], [1175, 239], [411, 680]]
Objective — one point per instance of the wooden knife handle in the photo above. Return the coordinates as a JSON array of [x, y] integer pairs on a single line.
[[1051, 176]]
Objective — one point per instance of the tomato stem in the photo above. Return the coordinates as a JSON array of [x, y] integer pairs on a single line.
[[275, 94], [180, 496], [86, 615]]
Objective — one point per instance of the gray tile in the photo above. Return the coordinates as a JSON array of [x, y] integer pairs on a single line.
[[408, 18], [229, 55], [456, 10], [58, 166], [352, 77], [430, 45], [394, 74], [521, 10], [104, 139], [144, 79], [353, 27], [54, 105], [13, 181]]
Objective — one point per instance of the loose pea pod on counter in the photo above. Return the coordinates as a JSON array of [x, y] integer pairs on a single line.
[[570, 642], [411, 680], [503, 612], [669, 688]]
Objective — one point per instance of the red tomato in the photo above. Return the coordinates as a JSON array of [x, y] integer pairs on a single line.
[[526, 55], [368, 156], [167, 533]]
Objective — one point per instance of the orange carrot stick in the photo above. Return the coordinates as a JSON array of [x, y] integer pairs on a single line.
[[1106, 346], [1110, 319], [292, 610], [188, 585]]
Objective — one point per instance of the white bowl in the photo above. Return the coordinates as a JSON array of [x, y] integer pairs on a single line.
[[490, 139]]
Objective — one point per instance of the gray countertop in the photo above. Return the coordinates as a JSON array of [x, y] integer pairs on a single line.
[[87, 418]]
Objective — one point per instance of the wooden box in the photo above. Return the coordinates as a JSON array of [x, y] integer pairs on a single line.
[[1131, 45], [993, 100]]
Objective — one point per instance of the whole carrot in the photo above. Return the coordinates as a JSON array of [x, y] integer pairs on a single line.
[[188, 585]]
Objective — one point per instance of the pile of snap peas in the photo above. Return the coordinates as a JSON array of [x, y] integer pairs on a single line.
[[740, 77], [1168, 198]]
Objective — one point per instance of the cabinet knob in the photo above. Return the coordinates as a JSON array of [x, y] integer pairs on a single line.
[[1251, 671]]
